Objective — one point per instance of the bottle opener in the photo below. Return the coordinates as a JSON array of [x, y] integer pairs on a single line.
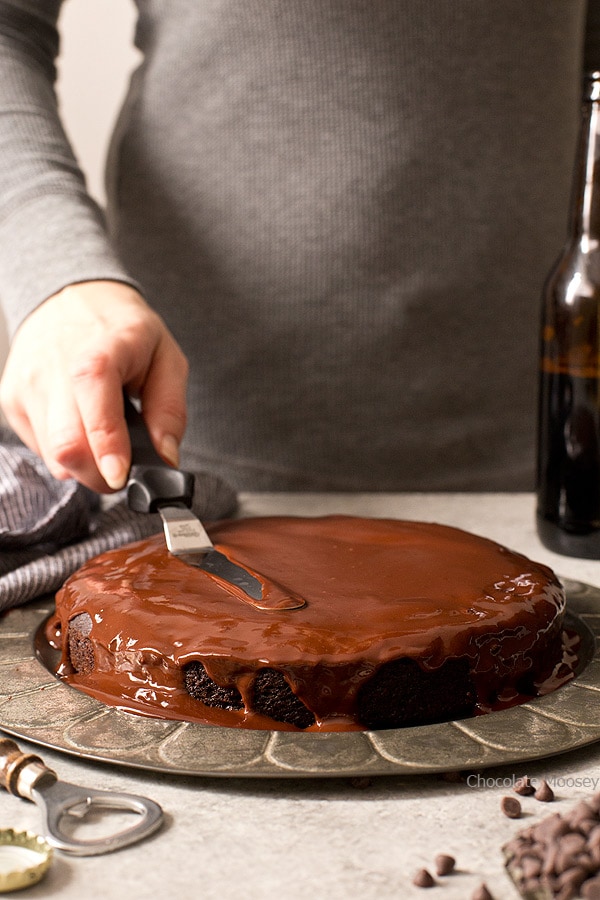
[[26, 775]]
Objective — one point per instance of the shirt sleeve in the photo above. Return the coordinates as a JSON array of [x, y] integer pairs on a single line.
[[52, 233]]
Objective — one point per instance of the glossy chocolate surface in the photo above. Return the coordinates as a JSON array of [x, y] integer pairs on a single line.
[[375, 590]]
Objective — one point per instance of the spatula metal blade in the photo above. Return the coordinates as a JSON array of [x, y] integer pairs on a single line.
[[184, 532], [187, 539]]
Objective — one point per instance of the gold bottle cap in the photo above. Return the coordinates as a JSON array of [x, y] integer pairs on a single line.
[[24, 859]]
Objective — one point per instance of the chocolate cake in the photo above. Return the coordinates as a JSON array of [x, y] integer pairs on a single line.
[[405, 623]]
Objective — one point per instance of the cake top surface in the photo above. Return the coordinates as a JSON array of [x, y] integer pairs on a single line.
[[384, 586]]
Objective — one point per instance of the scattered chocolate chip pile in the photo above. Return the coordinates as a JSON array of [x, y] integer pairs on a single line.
[[511, 807], [445, 865], [559, 857], [556, 859]]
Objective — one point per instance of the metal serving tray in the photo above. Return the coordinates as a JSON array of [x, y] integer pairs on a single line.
[[36, 706]]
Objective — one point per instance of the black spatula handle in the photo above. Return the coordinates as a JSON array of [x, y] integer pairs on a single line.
[[152, 481]]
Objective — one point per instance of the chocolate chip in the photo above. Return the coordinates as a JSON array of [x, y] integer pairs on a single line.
[[444, 864], [524, 787], [511, 807], [552, 827], [530, 866], [424, 879], [572, 842], [550, 858], [594, 837], [583, 812], [591, 889], [567, 892], [544, 793], [573, 878], [585, 826], [481, 893]]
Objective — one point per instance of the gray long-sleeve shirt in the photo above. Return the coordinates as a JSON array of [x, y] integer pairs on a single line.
[[343, 209]]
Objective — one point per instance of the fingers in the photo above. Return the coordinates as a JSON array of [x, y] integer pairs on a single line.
[[62, 387], [56, 425], [97, 390], [159, 377], [163, 399], [64, 426]]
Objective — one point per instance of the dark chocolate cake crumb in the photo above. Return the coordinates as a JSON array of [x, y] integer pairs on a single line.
[[444, 864], [454, 777], [424, 879], [202, 688], [361, 782], [401, 693], [273, 697], [511, 807], [81, 649], [544, 793]]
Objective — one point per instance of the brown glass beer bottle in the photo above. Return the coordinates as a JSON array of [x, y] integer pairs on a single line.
[[568, 489]]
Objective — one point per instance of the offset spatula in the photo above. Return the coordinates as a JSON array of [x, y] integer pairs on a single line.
[[154, 486]]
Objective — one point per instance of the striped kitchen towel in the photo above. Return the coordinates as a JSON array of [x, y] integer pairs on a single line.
[[49, 528]]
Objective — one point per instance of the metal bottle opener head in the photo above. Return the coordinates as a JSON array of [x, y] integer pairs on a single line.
[[26, 775]]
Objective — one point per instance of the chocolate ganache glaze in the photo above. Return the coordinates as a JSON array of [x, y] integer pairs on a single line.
[[404, 623]]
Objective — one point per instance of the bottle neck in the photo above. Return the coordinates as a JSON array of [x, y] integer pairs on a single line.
[[585, 204]]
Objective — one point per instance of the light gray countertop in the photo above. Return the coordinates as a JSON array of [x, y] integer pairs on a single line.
[[264, 839]]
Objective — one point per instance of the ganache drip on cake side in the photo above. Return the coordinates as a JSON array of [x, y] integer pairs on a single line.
[[406, 623]]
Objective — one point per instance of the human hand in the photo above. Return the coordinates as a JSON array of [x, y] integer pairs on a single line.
[[62, 386]]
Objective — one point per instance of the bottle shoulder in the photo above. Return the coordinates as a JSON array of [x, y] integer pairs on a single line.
[[575, 274], [577, 252]]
